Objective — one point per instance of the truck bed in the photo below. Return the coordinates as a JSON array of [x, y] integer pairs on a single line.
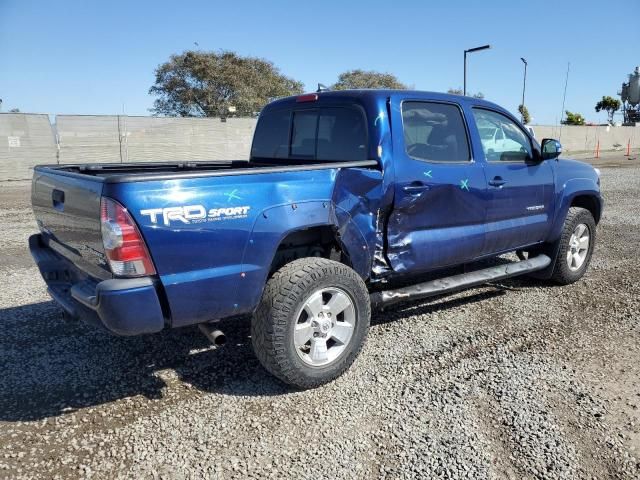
[[212, 266], [138, 172]]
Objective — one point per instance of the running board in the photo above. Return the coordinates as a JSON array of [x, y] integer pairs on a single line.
[[459, 282]]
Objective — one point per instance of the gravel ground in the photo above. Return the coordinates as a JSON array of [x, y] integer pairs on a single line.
[[528, 381]]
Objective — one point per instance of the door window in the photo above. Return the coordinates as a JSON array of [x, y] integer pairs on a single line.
[[434, 132], [509, 144]]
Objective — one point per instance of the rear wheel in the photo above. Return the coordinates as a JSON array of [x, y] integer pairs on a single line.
[[576, 246], [312, 322]]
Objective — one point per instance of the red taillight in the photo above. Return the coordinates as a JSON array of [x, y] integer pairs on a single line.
[[309, 97], [125, 249]]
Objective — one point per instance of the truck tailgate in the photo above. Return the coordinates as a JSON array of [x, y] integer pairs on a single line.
[[67, 210]]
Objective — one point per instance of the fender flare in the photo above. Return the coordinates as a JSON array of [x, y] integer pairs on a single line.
[[274, 224], [564, 198], [571, 189]]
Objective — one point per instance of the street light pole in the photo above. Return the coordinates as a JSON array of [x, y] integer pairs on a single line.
[[524, 84], [464, 88], [471, 50]]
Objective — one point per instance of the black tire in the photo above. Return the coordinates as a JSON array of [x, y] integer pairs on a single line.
[[562, 274], [274, 322]]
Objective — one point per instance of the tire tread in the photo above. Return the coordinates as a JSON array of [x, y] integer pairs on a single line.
[[281, 296], [561, 273]]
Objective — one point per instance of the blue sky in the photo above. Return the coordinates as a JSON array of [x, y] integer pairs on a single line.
[[94, 57]]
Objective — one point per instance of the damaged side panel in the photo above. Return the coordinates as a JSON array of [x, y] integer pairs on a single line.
[[357, 196], [439, 207], [438, 227], [341, 199]]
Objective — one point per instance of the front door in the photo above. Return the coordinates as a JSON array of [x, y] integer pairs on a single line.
[[439, 207], [520, 191]]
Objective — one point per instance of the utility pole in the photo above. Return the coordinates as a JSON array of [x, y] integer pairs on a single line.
[[564, 97], [524, 85]]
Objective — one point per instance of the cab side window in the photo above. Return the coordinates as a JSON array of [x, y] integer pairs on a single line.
[[434, 132], [502, 139]]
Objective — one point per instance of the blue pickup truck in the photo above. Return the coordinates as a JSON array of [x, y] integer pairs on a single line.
[[349, 201]]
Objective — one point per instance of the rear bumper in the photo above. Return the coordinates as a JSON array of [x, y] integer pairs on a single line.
[[128, 306]]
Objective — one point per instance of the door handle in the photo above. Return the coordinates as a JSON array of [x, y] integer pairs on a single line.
[[57, 198], [497, 182], [415, 188]]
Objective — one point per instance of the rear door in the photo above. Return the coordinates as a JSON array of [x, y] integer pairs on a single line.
[[520, 191], [440, 204]]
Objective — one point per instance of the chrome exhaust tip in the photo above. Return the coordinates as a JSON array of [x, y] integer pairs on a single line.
[[214, 335]]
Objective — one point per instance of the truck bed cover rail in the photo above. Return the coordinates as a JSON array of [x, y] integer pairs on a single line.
[[128, 172]]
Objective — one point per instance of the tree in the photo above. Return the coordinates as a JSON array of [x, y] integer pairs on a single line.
[[367, 79], [458, 91], [610, 105], [573, 119], [206, 84], [526, 118]]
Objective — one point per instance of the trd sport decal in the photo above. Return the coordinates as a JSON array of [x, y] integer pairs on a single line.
[[194, 214]]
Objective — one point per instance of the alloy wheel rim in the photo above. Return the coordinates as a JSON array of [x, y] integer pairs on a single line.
[[324, 326], [578, 247]]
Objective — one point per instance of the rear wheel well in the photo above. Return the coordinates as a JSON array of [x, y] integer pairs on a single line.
[[321, 241], [588, 202]]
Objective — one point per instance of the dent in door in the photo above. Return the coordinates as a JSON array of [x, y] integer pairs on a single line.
[[452, 239]]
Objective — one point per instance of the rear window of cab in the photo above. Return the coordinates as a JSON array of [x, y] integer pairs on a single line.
[[323, 133]]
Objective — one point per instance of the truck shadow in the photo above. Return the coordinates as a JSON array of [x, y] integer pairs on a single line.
[[52, 366]]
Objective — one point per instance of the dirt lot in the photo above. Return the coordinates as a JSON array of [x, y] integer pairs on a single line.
[[529, 381]]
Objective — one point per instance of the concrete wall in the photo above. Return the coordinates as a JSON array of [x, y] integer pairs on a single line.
[[95, 139], [25, 140], [29, 139], [87, 138], [577, 139]]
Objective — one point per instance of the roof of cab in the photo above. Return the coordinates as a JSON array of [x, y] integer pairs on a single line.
[[375, 94]]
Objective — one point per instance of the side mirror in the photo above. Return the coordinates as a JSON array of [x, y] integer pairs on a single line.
[[551, 149]]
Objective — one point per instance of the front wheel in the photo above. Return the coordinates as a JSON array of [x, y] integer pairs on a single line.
[[312, 322], [576, 246]]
